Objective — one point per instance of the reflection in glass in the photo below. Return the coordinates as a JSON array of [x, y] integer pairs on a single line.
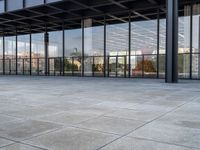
[[150, 66], [10, 55], [14, 4], [38, 61], [184, 44], [93, 46], [117, 47], [143, 43], [196, 42], [137, 66], [73, 52], [55, 52], [2, 6], [162, 47], [112, 66], [23, 54], [30, 3]]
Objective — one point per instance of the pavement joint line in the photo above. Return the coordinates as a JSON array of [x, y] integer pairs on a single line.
[[6, 145], [146, 139], [18, 142], [144, 124], [29, 138]]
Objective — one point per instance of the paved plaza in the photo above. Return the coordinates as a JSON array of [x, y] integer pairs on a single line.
[[74, 113]]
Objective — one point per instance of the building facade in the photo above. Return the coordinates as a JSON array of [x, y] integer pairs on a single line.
[[102, 38]]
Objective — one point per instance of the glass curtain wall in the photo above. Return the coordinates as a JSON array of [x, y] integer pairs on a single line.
[[23, 54], [93, 48], [73, 52], [14, 4], [196, 41], [30, 3], [2, 6], [117, 51], [55, 52], [162, 45], [144, 47], [184, 42], [10, 55], [37, 54]]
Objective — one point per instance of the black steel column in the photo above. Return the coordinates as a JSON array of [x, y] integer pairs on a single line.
[[129, 47], [82, 62], [46, 42], [191, 38], [171, 75], [104, 53], [63, 58], [16, 44], [158, 42], [3, 54], [30, 38]]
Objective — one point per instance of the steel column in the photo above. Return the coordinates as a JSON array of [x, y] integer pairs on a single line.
[[129, 47], [46, 42], [158, 42], [191, 38], [104, 54], [3, 54], [82, 62], [171, 75], [30, 65], [16, 44], [63, 58]]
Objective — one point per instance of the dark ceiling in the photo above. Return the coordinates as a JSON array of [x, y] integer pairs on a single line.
[[69, 13]]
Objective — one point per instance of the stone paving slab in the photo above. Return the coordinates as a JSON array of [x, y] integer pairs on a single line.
[[72, 139], [73, 113]]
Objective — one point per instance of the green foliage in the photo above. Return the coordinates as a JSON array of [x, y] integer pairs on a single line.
[[69, 66]]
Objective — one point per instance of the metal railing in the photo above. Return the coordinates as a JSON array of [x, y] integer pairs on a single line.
[[140, 66]]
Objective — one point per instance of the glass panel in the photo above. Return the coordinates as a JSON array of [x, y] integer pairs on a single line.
[[144, 37], [68, 66], [1, 55], [196, 42], [50, 1], [112, 66], [117, 39], [14, 4], [55, 52], [150, 66], [162, 36], [162, 66], [143, 46], [184, 65], [2, 6], [184, 42], [121, 66], [10, 55], [34, 2], [38, 63], [55, 66], [117, 36], [184, 31], [162, 48], [73, 51], [98, 66], [93, 44], [23, 54], [136, 66]]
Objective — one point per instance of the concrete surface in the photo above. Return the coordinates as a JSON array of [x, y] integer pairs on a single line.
[[72, 113]]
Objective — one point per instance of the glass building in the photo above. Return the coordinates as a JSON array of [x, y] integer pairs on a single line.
[[101, 38]]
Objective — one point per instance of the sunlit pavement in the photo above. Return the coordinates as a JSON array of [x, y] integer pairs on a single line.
[[72, 113]]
